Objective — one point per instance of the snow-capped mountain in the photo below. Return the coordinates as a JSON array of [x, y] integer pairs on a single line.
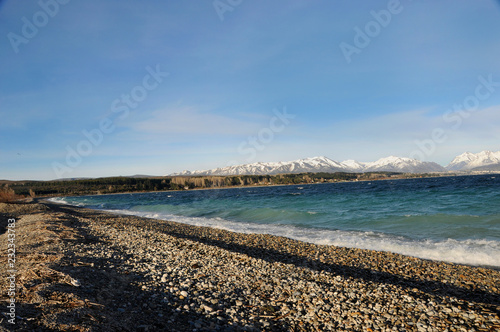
[[469, 161], [353, 165], [317, 164], [404, 165], [323, 164]]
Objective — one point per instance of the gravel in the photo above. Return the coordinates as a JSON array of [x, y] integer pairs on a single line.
[[153, 275]]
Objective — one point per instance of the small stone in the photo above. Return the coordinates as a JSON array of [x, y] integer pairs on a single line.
[[447, 310], [75, 282]]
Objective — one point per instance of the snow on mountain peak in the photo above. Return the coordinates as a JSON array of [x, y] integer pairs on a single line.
[[469, 161], [402, 164], [465, 161], [324, 164], [392, 160], [353, 165]]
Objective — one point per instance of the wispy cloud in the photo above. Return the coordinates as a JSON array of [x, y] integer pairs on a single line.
[[230, 75], [187, 120], [400, 132]]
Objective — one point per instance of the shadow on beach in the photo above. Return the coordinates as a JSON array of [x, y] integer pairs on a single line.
[[260, 251], [431, 287], [110, 297]]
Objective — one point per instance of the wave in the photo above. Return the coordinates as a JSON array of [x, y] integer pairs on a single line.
[[461, 228], [58, 200], [63, 200], [478, 252]]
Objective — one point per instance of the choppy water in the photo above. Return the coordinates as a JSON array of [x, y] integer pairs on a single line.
[[455, 219]]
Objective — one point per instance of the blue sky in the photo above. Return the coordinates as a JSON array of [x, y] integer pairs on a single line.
[[163, 86]]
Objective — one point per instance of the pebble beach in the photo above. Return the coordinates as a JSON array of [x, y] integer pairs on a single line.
[[87, 270]]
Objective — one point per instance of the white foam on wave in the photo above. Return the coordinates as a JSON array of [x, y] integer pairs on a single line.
[[58, 200], [478, 252], [61, 200]]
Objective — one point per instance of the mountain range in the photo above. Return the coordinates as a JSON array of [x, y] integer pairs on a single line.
[[482, 161]]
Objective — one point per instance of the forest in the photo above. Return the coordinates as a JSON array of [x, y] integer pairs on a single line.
[[12, 190]]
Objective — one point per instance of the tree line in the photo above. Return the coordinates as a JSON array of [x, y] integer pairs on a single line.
[[112, 185]]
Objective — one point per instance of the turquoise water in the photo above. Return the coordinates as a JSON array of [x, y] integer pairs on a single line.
[[455, 219]]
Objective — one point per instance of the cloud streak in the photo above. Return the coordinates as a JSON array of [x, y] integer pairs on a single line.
[[188, 120]]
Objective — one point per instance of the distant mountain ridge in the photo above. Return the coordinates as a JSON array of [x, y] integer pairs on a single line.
[[470, 161], [324, 164], [405, 165], [482, 161]]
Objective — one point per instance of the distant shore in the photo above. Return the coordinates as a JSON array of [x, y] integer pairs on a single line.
[[97, 271], [127, 185]]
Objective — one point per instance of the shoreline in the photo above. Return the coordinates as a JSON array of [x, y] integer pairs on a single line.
[[145, 274], [124, 215], [318, 236], [435, 175]]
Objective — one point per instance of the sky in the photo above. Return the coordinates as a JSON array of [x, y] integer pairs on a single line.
[[108, 88]]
